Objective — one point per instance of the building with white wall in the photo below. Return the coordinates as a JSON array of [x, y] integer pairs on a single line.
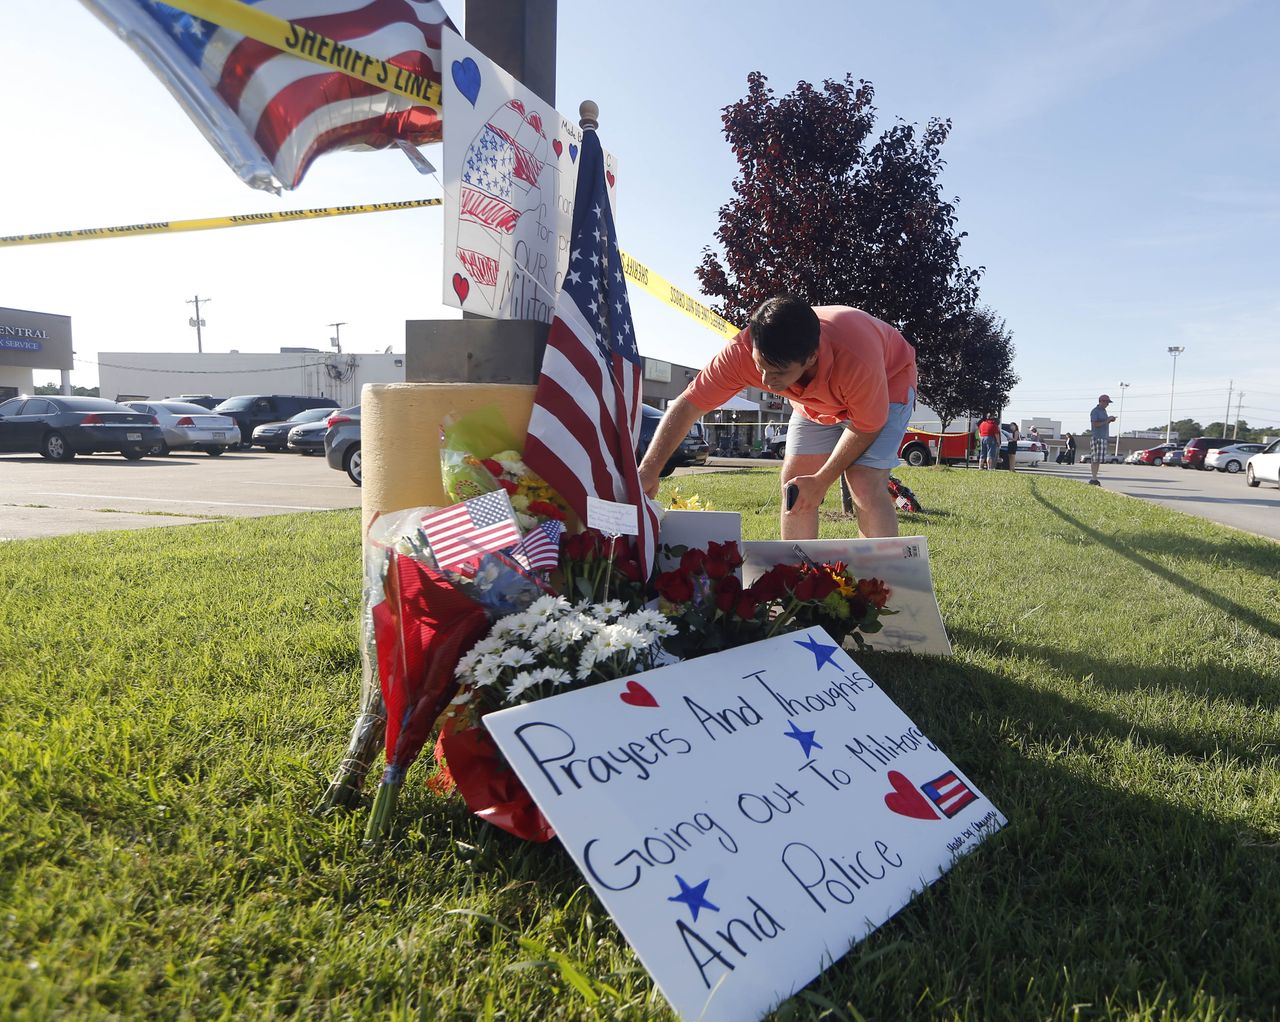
[[30, 341], [123, 375]]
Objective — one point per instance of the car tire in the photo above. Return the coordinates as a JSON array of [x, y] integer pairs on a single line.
[[134, 453], [55, 447], [1157, 461], [214, 451], [1232, 467], [1249, 477], [916, 455], [160, 450], [353, 462]]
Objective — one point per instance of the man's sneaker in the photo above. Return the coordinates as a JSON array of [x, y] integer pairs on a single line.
[[1094, 482]]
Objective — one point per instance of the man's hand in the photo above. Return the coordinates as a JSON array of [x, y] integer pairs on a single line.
[[811, 491], [650, 478]]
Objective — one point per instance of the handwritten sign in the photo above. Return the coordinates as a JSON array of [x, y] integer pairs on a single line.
[[612, 518], [745, 817], [902, 563], [510, 168]]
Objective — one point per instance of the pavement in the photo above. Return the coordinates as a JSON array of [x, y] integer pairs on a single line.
[[101, 492]]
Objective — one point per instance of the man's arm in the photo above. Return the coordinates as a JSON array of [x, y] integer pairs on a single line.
[[849, 448], [676, 422]]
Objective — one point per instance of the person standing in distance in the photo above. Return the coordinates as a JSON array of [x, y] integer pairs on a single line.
[[851, 380], [989, 443], [1100, 427]]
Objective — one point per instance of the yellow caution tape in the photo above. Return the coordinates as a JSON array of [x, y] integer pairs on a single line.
[[929, 432], [665, 291], [212, 223], [302, 42]]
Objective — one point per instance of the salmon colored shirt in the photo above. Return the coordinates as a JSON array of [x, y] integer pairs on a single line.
[[863, 365]]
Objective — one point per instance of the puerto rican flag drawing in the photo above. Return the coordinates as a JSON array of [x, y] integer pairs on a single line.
[[949, 793], [269, 114], [586, 412]]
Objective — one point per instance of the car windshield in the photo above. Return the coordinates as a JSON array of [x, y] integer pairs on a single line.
[[87, 404], [235, 404], [312, 414], [184, 407]]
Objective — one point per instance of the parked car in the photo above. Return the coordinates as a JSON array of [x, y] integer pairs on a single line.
[[206, 401], [1030, 452], [1263, 467], [60, 427], [274, 436], [1173, 459], [342, 443], [1193, 454], [189, 427], [693, 449], [253, 410], [1155, 455], [1231, 458], [308, 437], [1110, 458]]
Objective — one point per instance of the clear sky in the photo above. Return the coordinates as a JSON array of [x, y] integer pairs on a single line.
[[1115, 164]]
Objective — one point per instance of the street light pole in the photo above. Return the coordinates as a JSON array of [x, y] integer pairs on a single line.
[[1120, 418], [1175, 352], [336, 340], [196, 321]]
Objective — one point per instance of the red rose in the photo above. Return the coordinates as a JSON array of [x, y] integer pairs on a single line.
[[674, 586], [494, 468], [508, 485], [716, 568], [727, 591], [769, 586], [874, 591], [629, 569], [746, 606], [576, 547], [546, 509], [815, 586], [693, 561]]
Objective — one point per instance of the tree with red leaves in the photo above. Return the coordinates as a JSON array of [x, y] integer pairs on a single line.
[[826, 210]]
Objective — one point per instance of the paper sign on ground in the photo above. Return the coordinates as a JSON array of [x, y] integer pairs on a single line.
[[902, 563], [745, 817], [510, 167], [612, 518], [696, 529]]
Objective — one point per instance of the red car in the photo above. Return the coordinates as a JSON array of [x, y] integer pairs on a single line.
[[1193, 456], [1155, 455]]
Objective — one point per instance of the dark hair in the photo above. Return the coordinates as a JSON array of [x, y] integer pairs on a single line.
[[785, 331]]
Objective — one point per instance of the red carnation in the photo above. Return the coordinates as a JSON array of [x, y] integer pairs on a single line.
[[546, 509], [874, 591], [508, 485], [674, 586], [494, 468]]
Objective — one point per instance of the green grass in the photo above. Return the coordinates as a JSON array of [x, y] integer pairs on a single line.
[[172, 702]]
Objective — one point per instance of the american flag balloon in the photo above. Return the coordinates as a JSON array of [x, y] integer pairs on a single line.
[[269, 114]]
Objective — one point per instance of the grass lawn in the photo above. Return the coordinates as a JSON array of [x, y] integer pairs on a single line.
[[173, 701]]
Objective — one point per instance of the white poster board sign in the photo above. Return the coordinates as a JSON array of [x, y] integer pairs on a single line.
[[745, 817], [510, 169], [696, 529], [901, 562]]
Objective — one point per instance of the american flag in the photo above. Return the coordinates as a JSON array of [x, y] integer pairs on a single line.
[[471, 529], [586, 413], [271, 114], [949, 793], [540, 549]]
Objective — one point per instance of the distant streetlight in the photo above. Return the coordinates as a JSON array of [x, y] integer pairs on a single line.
[[1175, 352], [1120, 418], [196, 321]]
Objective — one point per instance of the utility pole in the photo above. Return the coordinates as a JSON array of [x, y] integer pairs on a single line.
[[1120, 417], [196, 321], [336, 340], [1226, 417], [1235, 429], [1175, 352]]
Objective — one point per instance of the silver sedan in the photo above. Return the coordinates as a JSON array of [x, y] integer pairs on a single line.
[[189, 426]]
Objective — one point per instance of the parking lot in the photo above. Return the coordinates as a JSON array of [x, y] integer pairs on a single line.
[[90, 494]]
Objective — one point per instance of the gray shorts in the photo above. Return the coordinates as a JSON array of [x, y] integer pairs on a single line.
[[807, 437]]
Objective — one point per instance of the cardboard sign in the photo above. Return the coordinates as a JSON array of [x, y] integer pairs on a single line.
[[612, 518], [902, 563], [510, 168], [745, 817]]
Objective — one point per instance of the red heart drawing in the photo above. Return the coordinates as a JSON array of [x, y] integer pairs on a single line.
[[557, 146], [461, 287], [637, 695], [906, 800], [609, 174]]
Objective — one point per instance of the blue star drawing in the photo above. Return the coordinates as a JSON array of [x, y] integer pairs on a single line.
[[695, 897], [822, 653], [805, 738]]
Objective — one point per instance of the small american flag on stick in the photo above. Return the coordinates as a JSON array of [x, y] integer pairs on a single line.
[[468, 531], [540, 549]]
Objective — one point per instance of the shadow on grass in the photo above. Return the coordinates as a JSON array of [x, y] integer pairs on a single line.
[[1095, 894], [1262, 625], [1252, 553]]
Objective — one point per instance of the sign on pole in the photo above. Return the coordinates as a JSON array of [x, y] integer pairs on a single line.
[[745, 817]]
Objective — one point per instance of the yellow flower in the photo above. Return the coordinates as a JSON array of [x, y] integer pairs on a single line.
[[679, 502]]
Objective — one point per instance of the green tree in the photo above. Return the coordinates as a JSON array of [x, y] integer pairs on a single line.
[[1183, 429], [53, 388], [827, 210], [971, 369]]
